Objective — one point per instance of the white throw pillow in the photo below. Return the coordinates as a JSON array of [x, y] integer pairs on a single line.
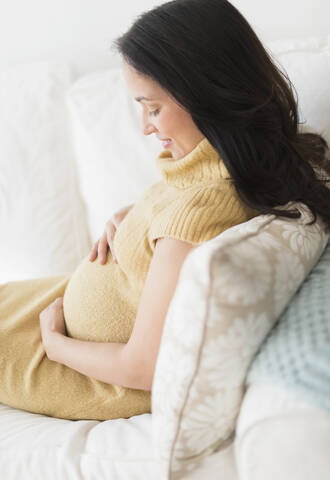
[[307, 62], [116, 162], [42, 223], [230, 292]]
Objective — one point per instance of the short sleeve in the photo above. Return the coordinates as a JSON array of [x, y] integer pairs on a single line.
[[199, 214]]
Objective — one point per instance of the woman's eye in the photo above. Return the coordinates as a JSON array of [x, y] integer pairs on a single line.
[[155, 112]]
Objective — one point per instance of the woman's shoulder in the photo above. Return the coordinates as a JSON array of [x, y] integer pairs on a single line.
[[213, 194], [200, 213]]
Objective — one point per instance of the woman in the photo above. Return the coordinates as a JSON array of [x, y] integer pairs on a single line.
[[228, 119]]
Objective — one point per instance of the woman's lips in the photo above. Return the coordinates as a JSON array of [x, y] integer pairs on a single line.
[[166, 143]]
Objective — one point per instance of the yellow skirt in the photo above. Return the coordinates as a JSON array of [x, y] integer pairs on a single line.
[[32, 382]]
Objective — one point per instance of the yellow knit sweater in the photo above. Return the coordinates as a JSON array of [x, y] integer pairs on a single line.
[[194, 202]]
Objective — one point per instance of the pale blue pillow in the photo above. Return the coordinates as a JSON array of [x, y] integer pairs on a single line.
[[296, 354]]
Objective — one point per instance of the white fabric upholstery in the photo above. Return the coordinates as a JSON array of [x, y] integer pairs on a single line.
[[42, 218], [115, 161], [307, 63], [36, 447], [281, 437]]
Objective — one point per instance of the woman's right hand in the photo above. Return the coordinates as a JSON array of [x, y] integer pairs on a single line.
[[100, 247]]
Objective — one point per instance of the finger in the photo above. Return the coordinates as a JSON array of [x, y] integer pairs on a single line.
[[111, 230], [102, 248], [93, 253], [58, 302], [117, 218]]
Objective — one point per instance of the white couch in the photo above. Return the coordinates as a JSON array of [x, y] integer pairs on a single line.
[[72, 153]]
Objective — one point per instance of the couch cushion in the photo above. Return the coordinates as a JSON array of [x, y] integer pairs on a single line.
[[42, 220], [279, 436], [307, 63], [230, 292], [115, 161], [37, 447]]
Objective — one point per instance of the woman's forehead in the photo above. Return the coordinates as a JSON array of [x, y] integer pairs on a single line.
[[142, 88]]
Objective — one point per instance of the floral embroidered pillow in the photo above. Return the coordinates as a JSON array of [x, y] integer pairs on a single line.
[[230, 292]]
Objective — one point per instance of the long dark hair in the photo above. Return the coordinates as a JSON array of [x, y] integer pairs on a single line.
[[207, 56]]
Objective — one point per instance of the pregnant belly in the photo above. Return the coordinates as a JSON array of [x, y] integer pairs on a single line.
[[99, 304]]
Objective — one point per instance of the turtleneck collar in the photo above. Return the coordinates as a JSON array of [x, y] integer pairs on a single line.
[[202, 165]]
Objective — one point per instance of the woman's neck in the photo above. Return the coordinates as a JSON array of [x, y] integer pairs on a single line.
[[202, 165]]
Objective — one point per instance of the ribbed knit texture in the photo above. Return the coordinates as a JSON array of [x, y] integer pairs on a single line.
[[194, 202], [296, 354]]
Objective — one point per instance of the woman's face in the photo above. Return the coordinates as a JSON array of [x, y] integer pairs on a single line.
[[161, 114]]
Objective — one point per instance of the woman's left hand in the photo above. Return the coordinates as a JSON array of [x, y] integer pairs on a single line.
[[52, 324]]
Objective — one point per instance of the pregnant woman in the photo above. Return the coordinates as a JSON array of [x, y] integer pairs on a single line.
[[84, 345]]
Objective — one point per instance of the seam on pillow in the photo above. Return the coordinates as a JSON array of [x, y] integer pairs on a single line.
[[193, 376]]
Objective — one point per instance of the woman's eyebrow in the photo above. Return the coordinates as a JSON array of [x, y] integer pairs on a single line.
[[138, 99]]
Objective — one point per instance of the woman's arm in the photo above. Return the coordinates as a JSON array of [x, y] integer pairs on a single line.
[[100, 360]]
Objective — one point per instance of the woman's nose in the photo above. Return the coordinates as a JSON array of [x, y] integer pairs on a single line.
[[148, 129]]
